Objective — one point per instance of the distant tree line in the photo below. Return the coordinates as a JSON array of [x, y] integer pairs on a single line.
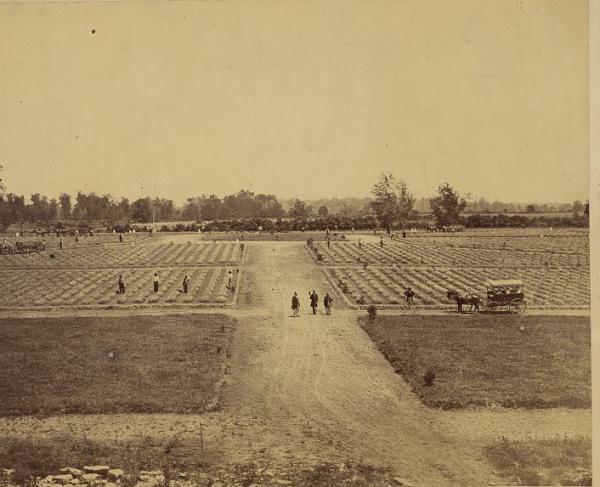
[[392, 206]]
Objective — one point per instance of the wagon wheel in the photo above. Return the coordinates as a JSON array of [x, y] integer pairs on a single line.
[[517, 305], [488, 306]]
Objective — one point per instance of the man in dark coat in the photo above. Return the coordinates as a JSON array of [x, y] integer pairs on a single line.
[[327, 302], [296, 305], [121, 284], [314, 301]]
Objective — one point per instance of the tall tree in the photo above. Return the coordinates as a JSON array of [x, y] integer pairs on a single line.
[[393, 202], [141, 210], [323, 211], [447, 206], [65, 206], [299, 210]]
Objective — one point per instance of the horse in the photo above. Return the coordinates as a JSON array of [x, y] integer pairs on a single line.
[[471, 300]]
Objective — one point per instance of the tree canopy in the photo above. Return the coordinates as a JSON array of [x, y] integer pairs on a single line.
[[393, 203], [447, 206]]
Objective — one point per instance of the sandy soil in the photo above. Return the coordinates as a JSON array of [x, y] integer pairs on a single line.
[[315, 388]]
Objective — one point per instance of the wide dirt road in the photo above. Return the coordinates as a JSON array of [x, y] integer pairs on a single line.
[[315, 387]]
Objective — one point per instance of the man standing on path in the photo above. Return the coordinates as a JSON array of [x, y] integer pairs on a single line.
[[121, 284], [327, 301], [314, 301], [409, 293], [156, 282], [295, 305]]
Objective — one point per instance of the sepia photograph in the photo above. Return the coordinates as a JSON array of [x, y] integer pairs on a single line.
[[304, 243]]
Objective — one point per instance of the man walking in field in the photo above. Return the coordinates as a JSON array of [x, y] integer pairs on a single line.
[[327, 302], [295, 305], [409, 293], [156, 282], [314, 301], [121, 284], [60, 243], [381, 242], [186, 281], [359, 244]]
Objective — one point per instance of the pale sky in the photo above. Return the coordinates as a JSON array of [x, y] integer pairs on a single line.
[[301, 99]]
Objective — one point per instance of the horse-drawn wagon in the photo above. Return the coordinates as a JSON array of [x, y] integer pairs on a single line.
[[28, 247], [505, 294], [501, 295]]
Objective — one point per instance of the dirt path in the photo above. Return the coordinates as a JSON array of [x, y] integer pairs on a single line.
[[323, 388]]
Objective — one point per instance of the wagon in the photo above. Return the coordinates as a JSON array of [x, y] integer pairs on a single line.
[[28, 247], [505, 294]]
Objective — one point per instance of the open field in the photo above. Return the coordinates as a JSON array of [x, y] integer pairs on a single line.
[[544, 288], [52, 241], [555, 270], [128, 255], [488, 360], [98, 287], [170, 363], [87, 275]]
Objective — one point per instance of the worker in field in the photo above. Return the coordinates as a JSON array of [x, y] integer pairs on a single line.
[[328, 242], [186, 282], [120, 237], [314, 301], [121, 284], [409, 294], [230, 280], [381, 241], [328, 302], [60, 243], [359, 243], [156, 282], [295, 305]]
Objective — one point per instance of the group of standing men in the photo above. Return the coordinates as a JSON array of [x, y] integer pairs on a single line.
[[314, 303]]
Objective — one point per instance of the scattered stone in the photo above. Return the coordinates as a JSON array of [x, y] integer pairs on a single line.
[[151, 472], [402, 482], [75, 472], [62, 479], [115, 473], [90, 477], [8, 471], [281, 482], [99, 469], [217, 484]]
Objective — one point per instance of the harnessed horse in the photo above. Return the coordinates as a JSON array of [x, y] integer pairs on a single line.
[[472, 300]]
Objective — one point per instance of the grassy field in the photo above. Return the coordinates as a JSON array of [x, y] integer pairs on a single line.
[[483, 360], [555, 461], [107, 365]]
